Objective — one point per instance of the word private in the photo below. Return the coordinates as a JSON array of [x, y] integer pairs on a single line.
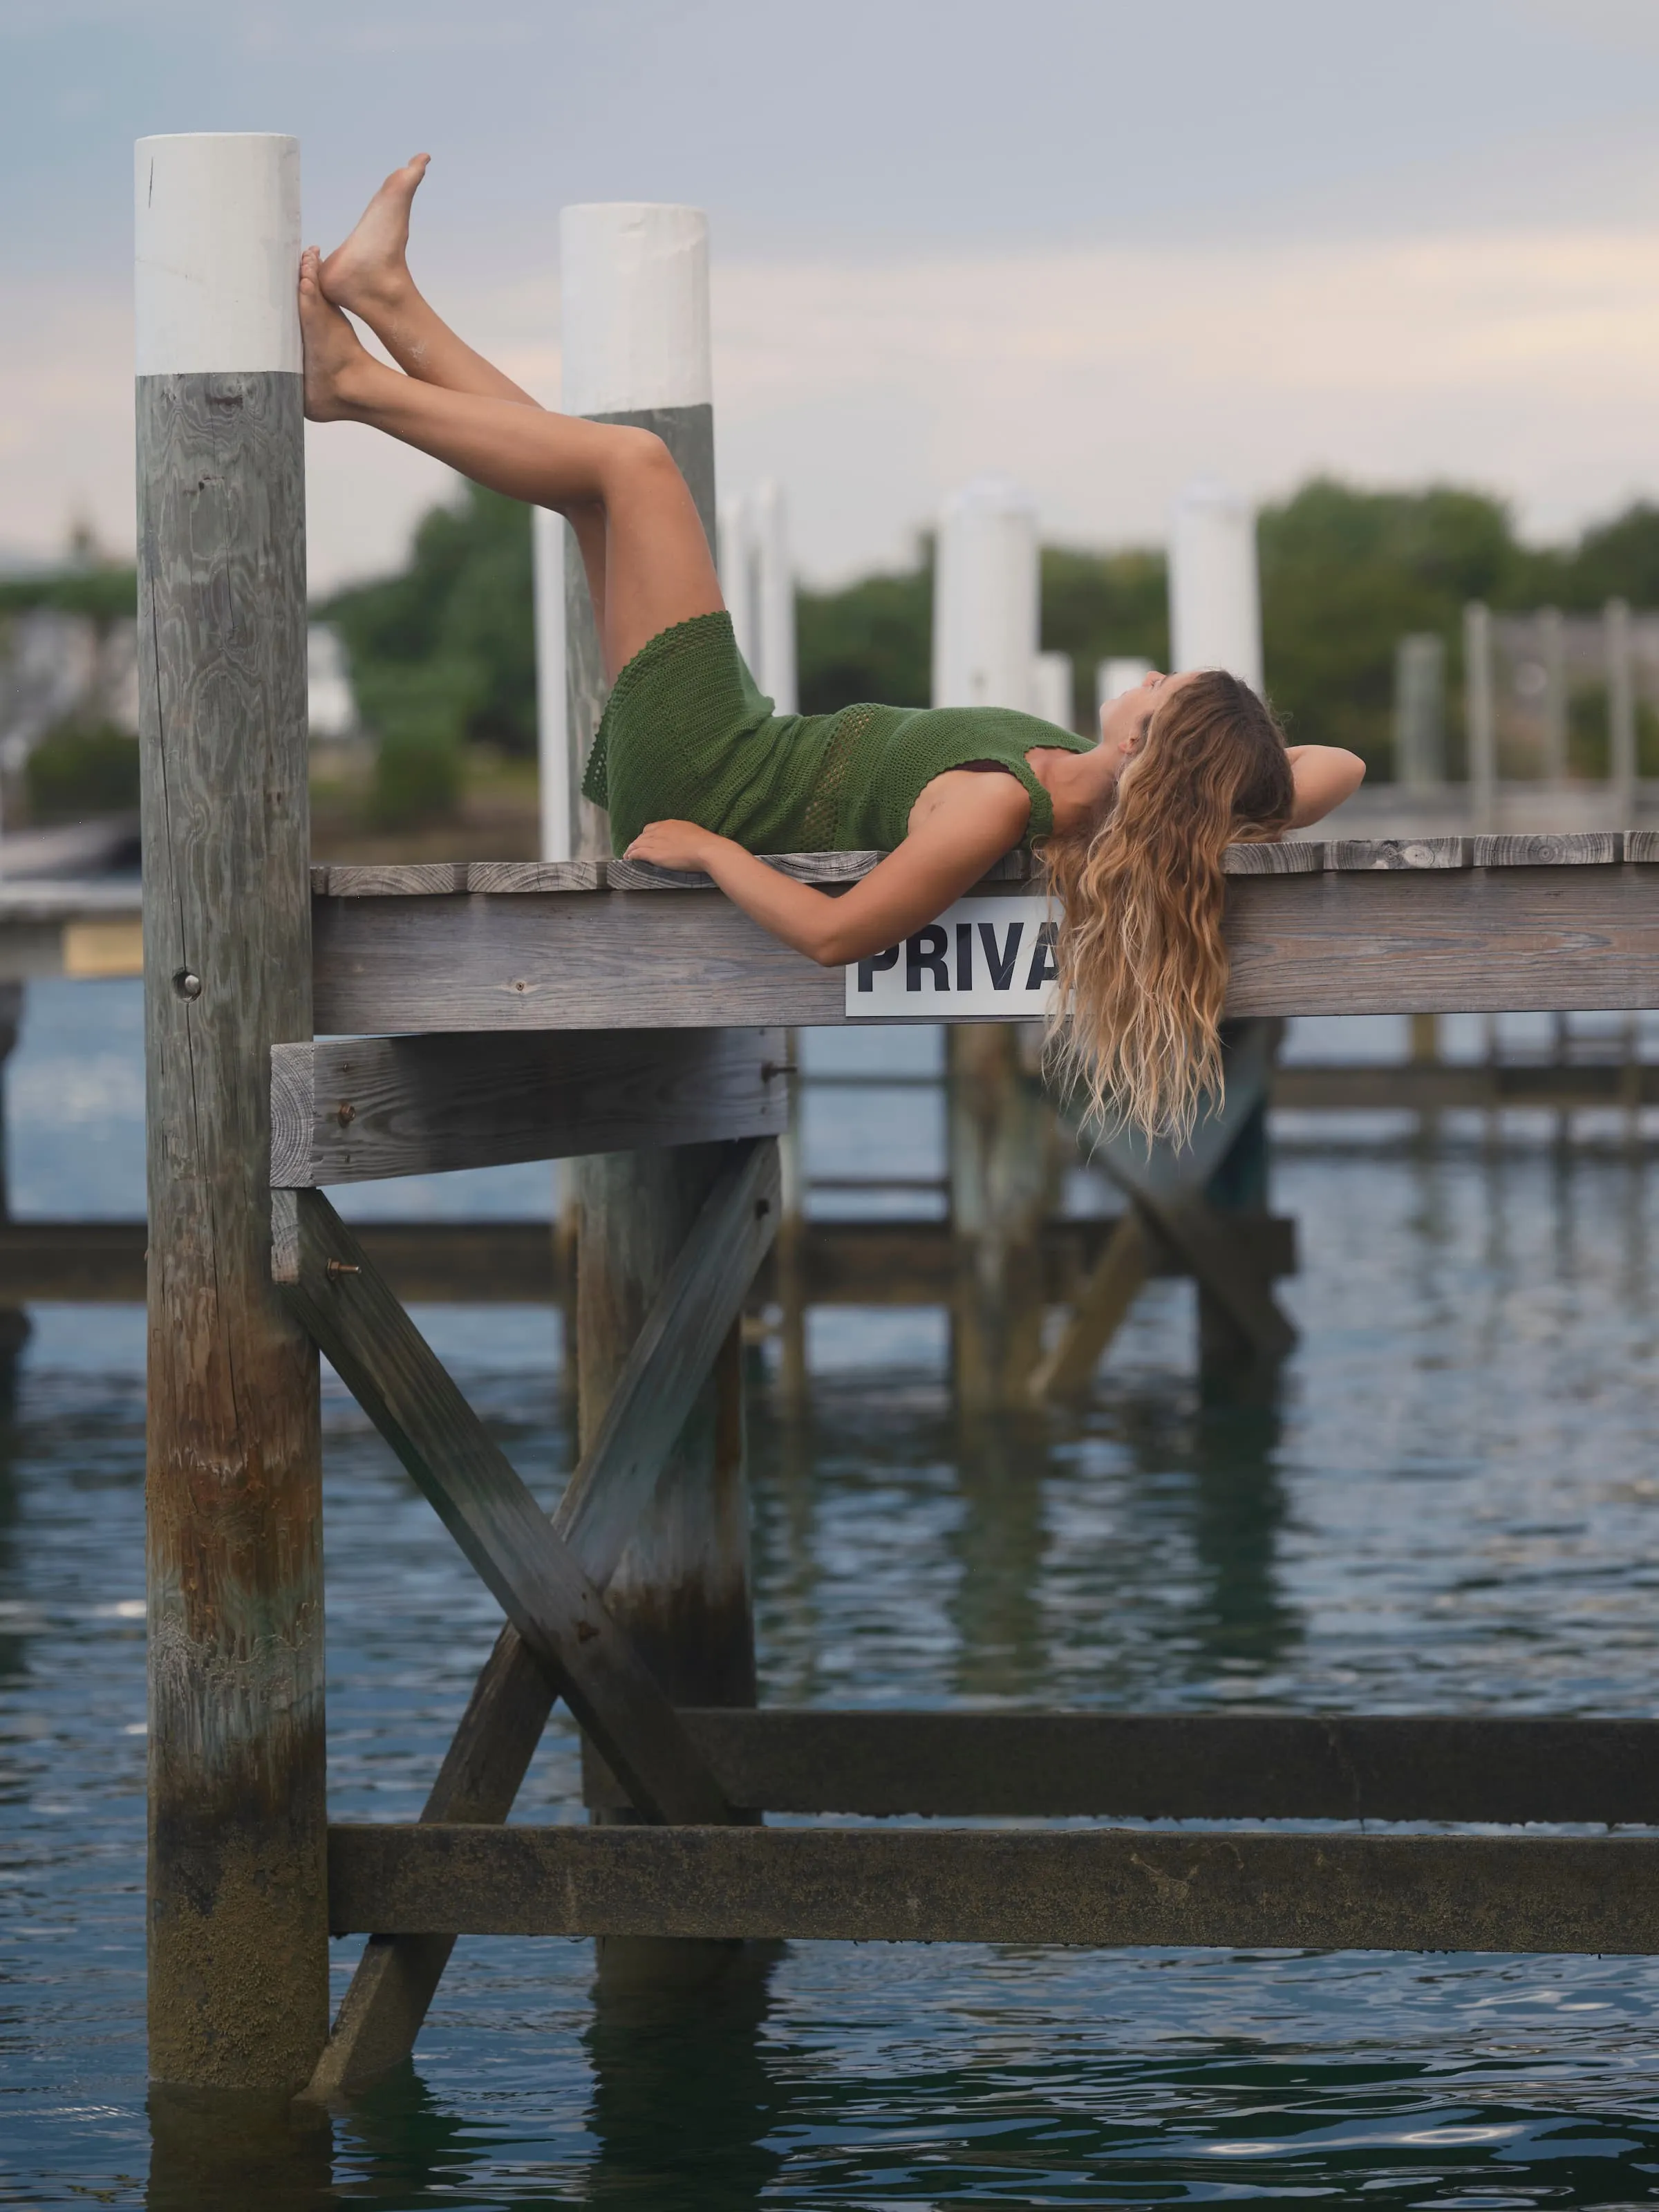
[[994, 956]]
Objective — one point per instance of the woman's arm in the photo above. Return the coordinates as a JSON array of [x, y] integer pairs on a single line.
[[966, 831], [1324, 776]]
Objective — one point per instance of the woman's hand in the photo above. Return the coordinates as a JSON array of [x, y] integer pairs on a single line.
[[676, 845]]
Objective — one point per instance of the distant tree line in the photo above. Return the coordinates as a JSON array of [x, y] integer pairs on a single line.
[[442, 653]]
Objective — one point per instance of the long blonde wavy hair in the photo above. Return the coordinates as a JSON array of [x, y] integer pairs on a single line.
[[1135, 1033]]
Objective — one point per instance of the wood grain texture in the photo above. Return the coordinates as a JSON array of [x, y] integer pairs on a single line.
[[532, 1574], [1641, 848], [1349, 854], [396, 880], [536, 875], [656, 1394], [237, 1919], [1476, 940], [1291, 857], [1100, 1886], [1596, 849], [1377, 940], [353, 1111]]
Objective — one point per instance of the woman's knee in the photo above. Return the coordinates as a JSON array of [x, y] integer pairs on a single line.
[[639, 457]]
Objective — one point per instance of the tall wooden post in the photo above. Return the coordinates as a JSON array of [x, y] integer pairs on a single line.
[[238, 1910], [1004, 1159], [635, 350], [1621, 714], [986, 608], [1481, 717], [1215, 592], [15, 1327]]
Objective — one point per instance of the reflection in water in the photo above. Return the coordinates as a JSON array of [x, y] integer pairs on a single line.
[[213, 2150], [1450, 1506], [683, 2101], [998, 1545], [1208, 1467]]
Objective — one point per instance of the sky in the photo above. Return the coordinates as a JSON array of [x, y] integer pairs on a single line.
[[1099, 248]]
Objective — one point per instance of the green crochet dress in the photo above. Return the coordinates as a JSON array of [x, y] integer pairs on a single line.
[[687, 736]]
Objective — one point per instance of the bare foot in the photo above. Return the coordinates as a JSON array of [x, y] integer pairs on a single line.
[[369, 270], [332, 349]]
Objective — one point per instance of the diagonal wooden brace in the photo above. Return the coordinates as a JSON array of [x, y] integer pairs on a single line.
[[536, 1578], [700, 1304], [1166, 1187]]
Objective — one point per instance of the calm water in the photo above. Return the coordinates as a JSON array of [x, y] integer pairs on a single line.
[[1453, 1505]]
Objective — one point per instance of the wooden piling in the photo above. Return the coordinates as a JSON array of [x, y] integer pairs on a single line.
[[1004, 1159], [681, 1590], [237, 1897], [635, 338]]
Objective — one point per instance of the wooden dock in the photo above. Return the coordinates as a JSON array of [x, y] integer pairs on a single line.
[[398, 1020]]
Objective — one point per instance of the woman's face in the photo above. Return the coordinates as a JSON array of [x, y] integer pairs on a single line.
[[1124, 721]]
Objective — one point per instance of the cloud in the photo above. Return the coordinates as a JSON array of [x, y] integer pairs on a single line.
[[1103, 376]]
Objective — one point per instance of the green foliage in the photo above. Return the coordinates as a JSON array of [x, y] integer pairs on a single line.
[[443, 655], [417, 781], [873, 640], [1615, 559], [77, 770], [1096, 607], [105, 594], [1345, 574], [453, 635]]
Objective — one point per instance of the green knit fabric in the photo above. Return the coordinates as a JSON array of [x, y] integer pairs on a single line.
[[687, 736]]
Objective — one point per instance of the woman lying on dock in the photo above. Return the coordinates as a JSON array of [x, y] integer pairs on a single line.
[[698, 772]]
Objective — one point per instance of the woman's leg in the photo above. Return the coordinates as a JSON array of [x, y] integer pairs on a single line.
[[647, 560], [369, 276]]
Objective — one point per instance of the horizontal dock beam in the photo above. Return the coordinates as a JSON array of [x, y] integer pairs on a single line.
[[1447, 925], [1182, 1766], [844, 1263], [1104, 1887], [353, 1110]]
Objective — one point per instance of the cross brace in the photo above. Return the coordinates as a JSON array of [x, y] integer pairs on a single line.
[[548, 1576]]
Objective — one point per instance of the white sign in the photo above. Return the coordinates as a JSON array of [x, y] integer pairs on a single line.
[[983, 956]]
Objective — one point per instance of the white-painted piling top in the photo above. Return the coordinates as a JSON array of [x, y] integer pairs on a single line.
[[634, 306], [1215, 595], [217, 254]]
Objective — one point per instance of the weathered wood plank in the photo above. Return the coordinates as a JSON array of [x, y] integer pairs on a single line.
[[1593, 849], [396, 880], [661, 1379], [351, 1110], [521, 875], [1105, 1886], [1641, 848], [1370, 941], [827, 868], [237, 1948], [1185, 1767], [1291, 857], [1350, 854], [388, 1367]]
